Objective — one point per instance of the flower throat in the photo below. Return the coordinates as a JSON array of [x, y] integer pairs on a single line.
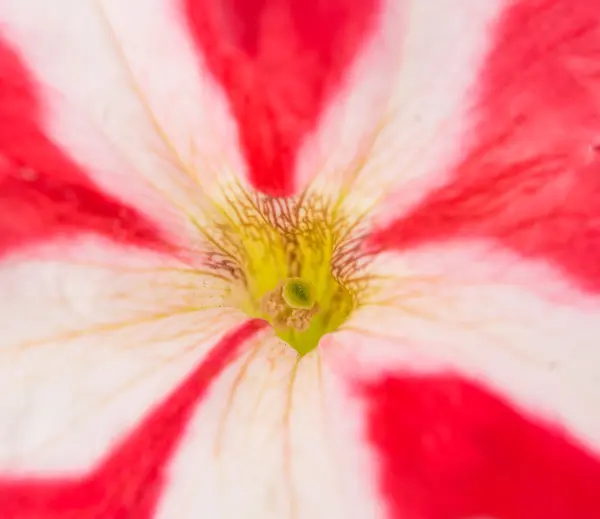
[[290, 263]]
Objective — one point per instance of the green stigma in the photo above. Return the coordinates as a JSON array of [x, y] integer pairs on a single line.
[[301, 313], [297, 293]]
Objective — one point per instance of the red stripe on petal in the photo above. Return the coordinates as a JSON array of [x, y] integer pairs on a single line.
[[130, 482], [531, 180], [451, 450], [279, 61], [42, 192]]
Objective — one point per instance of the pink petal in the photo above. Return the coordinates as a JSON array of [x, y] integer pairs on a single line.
[[451, 449]]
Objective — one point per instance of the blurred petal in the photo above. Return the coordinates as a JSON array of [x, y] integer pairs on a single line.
[[278, 438], [280, 63], [514, 324], [480, 372], [506, 322], [452, 449], [528, 177], [43, 191], [130, 480], [404, 113], [91, 339], [119, 89]]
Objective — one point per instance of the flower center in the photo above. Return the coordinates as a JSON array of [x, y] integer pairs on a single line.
[[290, 261]]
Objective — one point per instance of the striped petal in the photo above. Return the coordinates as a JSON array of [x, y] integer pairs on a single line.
[[480, 371], [280, 65], [525, 176], [85, 79], [401, 120]]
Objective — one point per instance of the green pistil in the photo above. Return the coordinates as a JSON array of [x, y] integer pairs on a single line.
[[301, 320], [298, 294]]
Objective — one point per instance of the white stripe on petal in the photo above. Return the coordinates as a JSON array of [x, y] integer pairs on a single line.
[[275, 439], [188, 105], [400, 121], [90, 342], [125, 96]]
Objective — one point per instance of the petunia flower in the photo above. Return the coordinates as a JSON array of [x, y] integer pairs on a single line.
[[299, 259]]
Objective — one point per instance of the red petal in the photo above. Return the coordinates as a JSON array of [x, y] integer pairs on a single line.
[[42, 192], [129, 483], [279, 62], [451, 450], [531, 178]]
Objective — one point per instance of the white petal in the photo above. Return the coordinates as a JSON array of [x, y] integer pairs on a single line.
[[401, 120], [276, 438]]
